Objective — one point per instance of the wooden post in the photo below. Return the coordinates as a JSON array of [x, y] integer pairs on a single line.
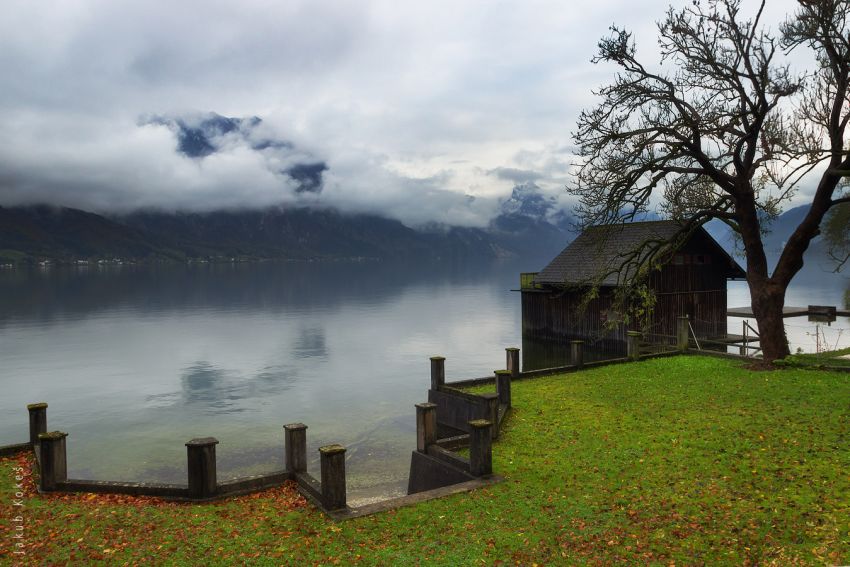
[[577, 353], [633, 345], [438, 372], [503, 386], [491, 413], [480, 447], [200, 455], [54, 461], [333, 476], [512, 362], [295, 447], [426, 426], [682, 328], [38, 421]]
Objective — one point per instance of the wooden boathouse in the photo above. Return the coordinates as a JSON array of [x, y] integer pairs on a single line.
[[689, 279]]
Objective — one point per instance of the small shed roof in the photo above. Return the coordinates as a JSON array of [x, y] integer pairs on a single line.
[[598, 253]]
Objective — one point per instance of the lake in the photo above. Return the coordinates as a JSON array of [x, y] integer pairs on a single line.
[[815, 285], [136, 360]]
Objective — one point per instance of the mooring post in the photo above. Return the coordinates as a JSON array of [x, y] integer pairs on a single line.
[[426, 426], [438, 372], [491, 411], [633, 345], [577, 353], [682, 327], [295, 440], [480, 447], [333, 476], [54, 461], [512, 361], [200, 454], [503, 386], [38, 421]]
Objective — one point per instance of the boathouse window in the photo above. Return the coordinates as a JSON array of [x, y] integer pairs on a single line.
[[694, 259]]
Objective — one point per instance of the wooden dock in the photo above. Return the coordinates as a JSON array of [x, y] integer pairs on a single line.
[[732, 339], [787, 311]]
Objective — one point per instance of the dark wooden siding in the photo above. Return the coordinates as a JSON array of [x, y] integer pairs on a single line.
[[556, 317], [693, 284], [698, 291]]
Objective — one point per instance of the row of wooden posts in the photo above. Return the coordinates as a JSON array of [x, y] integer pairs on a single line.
[[480, 438], [438, 367], [51, 451], [633, 341], [330, 492], [512, 363]]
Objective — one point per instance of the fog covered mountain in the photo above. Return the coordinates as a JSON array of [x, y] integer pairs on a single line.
[[529, 225]]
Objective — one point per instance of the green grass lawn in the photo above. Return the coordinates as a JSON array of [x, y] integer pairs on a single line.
[[826, 358], [677, 460]]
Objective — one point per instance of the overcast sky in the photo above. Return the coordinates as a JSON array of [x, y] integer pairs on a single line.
[[424, 111]]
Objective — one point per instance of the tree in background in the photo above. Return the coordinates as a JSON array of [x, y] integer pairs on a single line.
[[837, 235], [723, 130]]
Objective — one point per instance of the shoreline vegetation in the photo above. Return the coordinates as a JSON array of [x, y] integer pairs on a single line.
[[686, 459], [826, 359], [33, 262]]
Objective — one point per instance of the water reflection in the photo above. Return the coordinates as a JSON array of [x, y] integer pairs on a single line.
[[216, 390], [540, 354], [271, 287], [311, 343], [201, 382]]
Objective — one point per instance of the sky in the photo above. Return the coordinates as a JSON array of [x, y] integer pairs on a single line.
[[421, 111]]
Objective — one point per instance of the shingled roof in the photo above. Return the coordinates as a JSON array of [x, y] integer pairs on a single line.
[[597, 255]]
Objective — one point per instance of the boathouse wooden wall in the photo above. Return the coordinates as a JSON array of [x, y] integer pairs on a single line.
[[698, 291], [558, 315], [693, 284]]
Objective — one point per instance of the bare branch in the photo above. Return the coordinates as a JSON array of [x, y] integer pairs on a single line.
[[727, 133]]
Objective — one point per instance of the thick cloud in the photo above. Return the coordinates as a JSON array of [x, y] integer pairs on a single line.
[[427, 112], [516, 175], [200, 136]]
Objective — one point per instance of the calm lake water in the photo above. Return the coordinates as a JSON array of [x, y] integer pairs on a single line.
[[136, 360], [814, 285]]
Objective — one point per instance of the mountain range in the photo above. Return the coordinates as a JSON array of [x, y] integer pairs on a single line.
[[777, 232], [529, 224]]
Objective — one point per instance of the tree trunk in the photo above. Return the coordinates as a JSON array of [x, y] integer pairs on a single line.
[[767, 294], [768, 299]]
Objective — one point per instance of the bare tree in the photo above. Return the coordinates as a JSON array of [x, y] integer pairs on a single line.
[[722, 129]]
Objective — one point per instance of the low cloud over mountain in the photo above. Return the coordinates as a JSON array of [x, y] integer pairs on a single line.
[[200, 136], [522, 229], [423, 112]]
